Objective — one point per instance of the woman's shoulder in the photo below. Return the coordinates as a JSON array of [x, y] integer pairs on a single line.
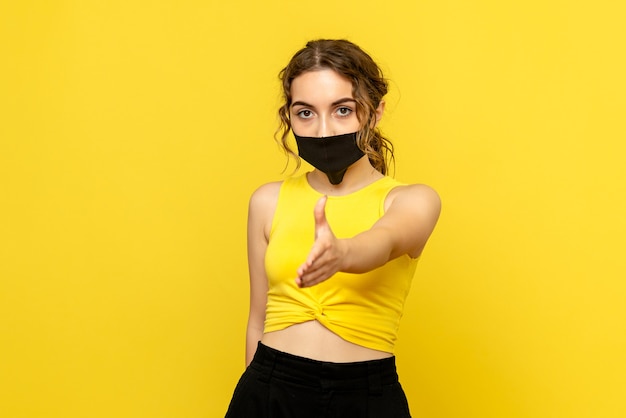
[[269, 192], [418, 189], [266, 194], [415, 196], [262, 206]]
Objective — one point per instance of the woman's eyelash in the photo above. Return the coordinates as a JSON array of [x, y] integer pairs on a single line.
[[341, 111], [344, 111]]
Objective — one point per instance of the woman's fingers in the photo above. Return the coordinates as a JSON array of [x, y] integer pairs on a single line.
[[323, 259], [319, 213]]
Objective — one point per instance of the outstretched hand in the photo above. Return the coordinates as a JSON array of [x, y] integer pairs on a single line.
[[325, 257]]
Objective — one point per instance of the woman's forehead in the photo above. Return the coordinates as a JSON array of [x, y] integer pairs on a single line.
[[321, 85]]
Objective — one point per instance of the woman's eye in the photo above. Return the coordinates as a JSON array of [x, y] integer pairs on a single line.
[[344, 111], [305, 114]]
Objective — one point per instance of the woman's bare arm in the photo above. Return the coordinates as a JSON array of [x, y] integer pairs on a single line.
[[260, 214], [410, 217]]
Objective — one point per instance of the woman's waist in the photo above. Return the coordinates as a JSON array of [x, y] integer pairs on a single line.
[[313, 340]]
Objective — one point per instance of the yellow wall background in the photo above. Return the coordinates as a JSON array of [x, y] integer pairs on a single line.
[[133, 132]]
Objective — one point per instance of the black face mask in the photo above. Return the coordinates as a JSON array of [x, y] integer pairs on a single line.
[[331, 155]]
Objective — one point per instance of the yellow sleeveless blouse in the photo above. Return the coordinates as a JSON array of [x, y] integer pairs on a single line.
[[364, 309]]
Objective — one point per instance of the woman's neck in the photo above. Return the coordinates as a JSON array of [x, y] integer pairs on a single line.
[[358, 175]]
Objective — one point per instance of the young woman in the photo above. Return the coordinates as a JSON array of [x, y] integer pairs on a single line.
[[331, 252]]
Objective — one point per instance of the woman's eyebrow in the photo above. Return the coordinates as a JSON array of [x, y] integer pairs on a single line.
[[335, 103], [300, 103], [344, 100]]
